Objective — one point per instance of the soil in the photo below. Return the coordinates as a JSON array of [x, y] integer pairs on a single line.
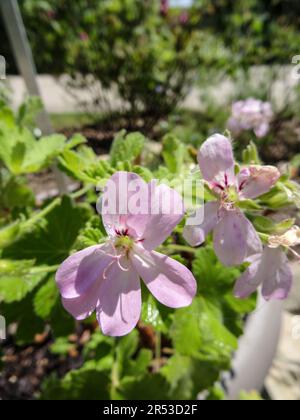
[[100, 135], [285, 143], [25, 368]]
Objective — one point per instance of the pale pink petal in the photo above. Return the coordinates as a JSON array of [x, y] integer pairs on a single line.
[[195, 234], [216, 159], [83, 306], [167, 210], [262, 130], [278, 274], [272, 271], [170, 282], [81, 270], [249, 281], [257, 180], [120, 301], [230, 238], [125, 204], [254, 245]]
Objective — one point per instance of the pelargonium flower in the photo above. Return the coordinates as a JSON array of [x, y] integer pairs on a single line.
[[106, 277], [235, 239], [84, 36], [184, 18], [271, 269], [164, 7], [251, 114]]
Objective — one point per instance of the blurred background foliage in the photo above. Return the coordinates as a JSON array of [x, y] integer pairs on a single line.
[[150, 53]]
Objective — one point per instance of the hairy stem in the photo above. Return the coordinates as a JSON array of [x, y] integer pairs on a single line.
[[180, 248]]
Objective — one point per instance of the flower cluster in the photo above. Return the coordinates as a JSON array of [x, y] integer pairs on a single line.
[[106, 278], [251, 114]]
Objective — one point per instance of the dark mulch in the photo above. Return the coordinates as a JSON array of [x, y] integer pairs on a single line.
[[285, 141], [24, 368], [101, 134]]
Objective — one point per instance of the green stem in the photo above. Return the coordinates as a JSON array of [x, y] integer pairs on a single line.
[[181, 248], [39, 215], [81, 192], [157, 350], [263, 236], [51, 269]]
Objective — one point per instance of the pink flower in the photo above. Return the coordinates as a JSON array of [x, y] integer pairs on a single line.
[[84, 36], [164, 7], [271, 271], [106, 277], [251, 114], [184, 18], [235, 239], [271, 268], [51, 14]]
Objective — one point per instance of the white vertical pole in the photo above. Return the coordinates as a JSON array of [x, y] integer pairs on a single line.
[[23, 56]]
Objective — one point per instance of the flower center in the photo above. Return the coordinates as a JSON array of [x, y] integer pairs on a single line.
[[124, 243], [231, 194]]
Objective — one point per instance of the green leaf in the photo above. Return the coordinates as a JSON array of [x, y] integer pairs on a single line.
[[51, 241], [125, 349], [14, 193], [9, 233], [250, 155], [199, 329], [149, 387], [17, 157], [85, 166], [28, 324], [187, 376], [43, 152], [155, 314], [28, 111], [46, 298], [98, 347], [21, 153], [17, 279], [213, 278], [87, 383], [92, 233], [61, 322], [140, 365], [126, 147], [76, 140], [174, 152], [61, 346], [215, 283], [265, 225]]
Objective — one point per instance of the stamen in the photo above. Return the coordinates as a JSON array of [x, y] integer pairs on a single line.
[[242, 184], [216, 185], [121, 267], [226, 179]]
